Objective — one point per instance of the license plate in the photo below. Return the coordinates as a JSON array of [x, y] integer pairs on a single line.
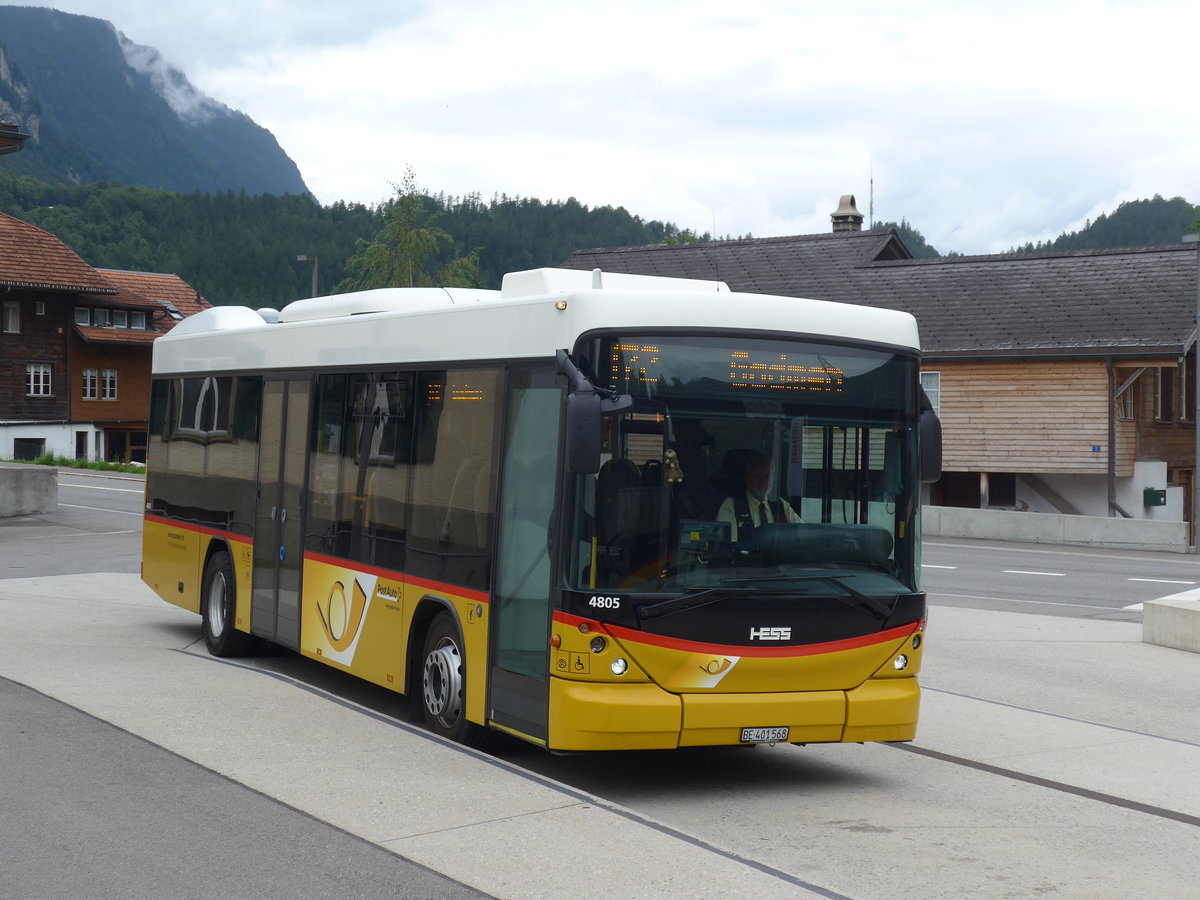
[[764, 735]]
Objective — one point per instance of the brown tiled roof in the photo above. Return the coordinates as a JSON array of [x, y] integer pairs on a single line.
[[31, 257], [155, 288], [95, 335], [1123, 302]]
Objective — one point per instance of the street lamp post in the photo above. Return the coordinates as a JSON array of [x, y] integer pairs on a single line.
[[310, 259]]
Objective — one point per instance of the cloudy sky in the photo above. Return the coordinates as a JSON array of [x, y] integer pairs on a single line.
[[984, 125]]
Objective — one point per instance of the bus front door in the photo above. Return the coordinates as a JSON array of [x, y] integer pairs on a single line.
[[519, 684], [278, 522]]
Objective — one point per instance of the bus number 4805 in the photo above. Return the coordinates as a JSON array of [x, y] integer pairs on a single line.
[[605, 602]]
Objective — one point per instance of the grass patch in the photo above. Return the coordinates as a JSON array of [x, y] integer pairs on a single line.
[[65, 462]]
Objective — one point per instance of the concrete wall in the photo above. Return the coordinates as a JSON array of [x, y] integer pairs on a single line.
[[1089, 493], [1047, 528], [28, 490], [59, 438]]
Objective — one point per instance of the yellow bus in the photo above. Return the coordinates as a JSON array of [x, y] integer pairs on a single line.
[[530, 508]]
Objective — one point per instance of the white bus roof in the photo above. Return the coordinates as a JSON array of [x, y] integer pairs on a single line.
[[534, 314]]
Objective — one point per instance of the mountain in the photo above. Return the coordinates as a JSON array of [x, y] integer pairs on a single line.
[[99, 107], [1135, 223]]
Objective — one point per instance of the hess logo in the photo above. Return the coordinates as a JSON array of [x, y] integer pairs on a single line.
[[771, 634]]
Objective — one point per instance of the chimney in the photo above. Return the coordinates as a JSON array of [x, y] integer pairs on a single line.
[[847, 217]]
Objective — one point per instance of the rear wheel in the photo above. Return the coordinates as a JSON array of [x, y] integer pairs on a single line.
[[443, 684], [218, 606]]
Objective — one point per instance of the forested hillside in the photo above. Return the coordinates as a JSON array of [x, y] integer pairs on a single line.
[[1136, 223], [238, 249]]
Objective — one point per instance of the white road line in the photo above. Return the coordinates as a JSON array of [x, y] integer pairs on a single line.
[[931, 566], [1161, 581], [1034, 602], [94, 487], [119, 512], [1023, 572], [1134, 607]]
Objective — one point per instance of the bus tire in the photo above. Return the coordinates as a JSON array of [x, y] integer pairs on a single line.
[[444, 684], [218, 605]]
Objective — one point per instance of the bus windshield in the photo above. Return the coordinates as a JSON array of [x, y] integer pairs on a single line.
[[744, 462]]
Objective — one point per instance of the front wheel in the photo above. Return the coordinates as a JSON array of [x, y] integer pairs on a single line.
[[443, 684], [218, 606]]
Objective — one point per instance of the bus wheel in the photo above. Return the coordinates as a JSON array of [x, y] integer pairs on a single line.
[[443, 684], [218, 601]]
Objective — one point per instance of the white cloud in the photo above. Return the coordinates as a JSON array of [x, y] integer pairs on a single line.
[[985, 126]]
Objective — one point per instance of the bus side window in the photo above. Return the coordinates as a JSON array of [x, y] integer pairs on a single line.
[[452, 504]]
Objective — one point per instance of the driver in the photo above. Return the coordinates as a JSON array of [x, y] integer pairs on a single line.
[[750, 508]]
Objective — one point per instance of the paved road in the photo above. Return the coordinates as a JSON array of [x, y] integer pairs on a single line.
[[1057, 756], [90, 810], [1057, 581]]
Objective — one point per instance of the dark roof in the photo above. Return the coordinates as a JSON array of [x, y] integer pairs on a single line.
[[1125, 302]]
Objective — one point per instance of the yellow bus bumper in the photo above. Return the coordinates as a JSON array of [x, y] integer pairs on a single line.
[[591, 716]]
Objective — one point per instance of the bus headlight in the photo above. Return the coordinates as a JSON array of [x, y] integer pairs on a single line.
[[597, 644], [900, 663], [619, 666]]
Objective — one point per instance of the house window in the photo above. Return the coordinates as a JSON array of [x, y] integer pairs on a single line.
[[931, 384], [108, 384], [39, 308], [91, 384], [137, 320], [120, 318], [83, 315], [37, 380], [12, 317], [100, 317], [1164, 405]]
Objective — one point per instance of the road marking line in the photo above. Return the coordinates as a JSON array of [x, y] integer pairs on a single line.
[[1161, 581], [1015, 600], [118, 512], [1023, 572], [931, 566], [1134, 607], [94, 487]]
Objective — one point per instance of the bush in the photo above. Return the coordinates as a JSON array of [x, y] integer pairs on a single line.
[[63, 462]]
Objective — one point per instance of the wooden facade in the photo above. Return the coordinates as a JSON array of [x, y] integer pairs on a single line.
[[75, 347], [1047, 417], [35, 328]]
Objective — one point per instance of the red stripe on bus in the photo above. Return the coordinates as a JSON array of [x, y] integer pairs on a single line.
[[670, 643]]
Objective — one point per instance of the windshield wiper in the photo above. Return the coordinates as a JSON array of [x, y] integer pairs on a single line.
[[878, 608], [687, 601]]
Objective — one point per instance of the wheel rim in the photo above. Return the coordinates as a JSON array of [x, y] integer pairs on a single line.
[[442, 682], [217, 602]]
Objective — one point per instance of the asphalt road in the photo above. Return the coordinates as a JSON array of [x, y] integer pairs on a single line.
[[1056, 756], [1057, 581], [90, 810], [94, 811]]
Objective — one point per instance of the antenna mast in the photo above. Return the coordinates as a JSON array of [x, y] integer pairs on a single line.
[[871, 206]]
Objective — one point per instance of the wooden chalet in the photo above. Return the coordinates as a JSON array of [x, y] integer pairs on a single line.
[[1066, 381], [75, 348]]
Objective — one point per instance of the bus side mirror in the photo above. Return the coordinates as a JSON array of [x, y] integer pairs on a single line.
[[930, 441], [583, 432]]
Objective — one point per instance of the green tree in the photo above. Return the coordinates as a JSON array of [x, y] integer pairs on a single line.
[[400, 254]]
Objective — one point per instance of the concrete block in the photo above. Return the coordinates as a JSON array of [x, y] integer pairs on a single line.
[[1173, 621], [28, 490]]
